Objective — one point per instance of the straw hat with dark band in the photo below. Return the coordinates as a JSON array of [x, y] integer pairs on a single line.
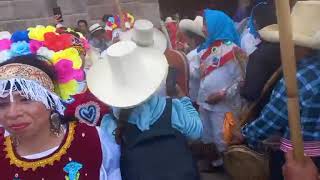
[[305, 25]]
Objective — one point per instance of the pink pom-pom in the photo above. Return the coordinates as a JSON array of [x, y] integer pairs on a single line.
[[66, 73], [35, 46], [5, 44]]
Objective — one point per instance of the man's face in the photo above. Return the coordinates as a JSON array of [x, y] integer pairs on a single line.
[[83, 27], [101, 35]]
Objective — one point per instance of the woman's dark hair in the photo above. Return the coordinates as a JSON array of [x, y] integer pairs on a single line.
[[265, 15], [122, 125], [227, 6], [194, 36], [83, 21], [35, 61]]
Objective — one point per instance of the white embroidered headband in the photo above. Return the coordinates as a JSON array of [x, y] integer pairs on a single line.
[[17, 70], [30, 82]]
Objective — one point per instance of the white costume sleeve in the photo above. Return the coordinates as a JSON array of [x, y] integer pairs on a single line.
[[110, 168]]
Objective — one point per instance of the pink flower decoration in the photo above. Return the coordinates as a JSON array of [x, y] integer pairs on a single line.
[[35, 45], [66, 73], [85, 43], [5, 44]]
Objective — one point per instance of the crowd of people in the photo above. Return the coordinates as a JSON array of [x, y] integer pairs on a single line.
[[128, 100]]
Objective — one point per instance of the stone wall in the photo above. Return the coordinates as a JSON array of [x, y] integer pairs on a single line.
[[19, 14]]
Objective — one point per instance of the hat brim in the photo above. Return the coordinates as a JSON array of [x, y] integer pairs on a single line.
[[189, 25], [160, 41], [271, 34], [101, 80]]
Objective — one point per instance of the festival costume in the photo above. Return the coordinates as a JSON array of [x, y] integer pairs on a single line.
[[225, 73], [184, 117], [194, 79], [86, 108], [172, 28], [69, 160], [265, 66], [148, 113], [273, 119], [113, 23], [220, 69], [60, 50], [195, 26], [307, 81]]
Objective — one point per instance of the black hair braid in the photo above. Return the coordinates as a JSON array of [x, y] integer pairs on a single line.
[[122, 125]]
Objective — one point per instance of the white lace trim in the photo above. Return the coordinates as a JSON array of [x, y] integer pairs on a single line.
[[31, 90]]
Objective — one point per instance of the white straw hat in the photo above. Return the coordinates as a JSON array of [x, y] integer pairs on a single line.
[[194, 26], [305, 25], [145, 35], [95, 27], [128, 76]]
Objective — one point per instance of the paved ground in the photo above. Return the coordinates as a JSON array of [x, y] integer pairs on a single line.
[[214, 177]]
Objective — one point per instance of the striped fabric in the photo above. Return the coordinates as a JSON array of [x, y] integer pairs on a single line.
[[311, 149]]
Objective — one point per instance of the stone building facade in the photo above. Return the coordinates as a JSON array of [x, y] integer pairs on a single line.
[[19, 14]]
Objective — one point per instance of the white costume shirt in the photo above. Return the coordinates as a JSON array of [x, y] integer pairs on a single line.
[[194, 79]]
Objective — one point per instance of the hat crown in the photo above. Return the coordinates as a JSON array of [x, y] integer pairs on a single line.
[[143, 33], [194, 26], [128, 75], [121, 49], [199, 20], [121, 57], [305, 16]]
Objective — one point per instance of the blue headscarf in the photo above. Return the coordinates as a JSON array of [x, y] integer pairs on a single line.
[[220, 27]]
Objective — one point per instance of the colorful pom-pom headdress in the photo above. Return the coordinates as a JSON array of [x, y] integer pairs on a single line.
[[61, 49], [114, 22]]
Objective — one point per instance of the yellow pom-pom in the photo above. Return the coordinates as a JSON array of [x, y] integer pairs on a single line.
[[37, 33], [68, 89], [70, 54]]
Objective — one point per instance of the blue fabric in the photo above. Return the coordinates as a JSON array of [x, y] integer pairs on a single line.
[[111, 156], [260, 1], [219, 27], [274, 117], [251, 24], [184, 116]]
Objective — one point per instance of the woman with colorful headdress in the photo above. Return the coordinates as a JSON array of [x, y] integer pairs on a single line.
[[39, 69], [83, 105], [220, 69]]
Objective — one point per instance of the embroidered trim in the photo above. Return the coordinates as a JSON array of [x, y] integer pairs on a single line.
[[31, 90], [28, 72], [43, 162], [210, 60], [88, 113]]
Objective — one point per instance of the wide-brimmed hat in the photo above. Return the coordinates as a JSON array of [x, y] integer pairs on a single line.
[[128, 76], [305, 25], [145, 35], [95, 27], [194, 26]]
